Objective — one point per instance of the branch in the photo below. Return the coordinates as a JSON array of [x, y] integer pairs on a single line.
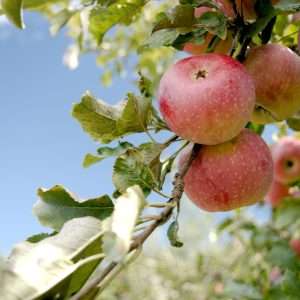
[[138, 241]]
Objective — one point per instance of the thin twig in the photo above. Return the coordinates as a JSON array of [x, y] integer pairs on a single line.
[[139, 240]]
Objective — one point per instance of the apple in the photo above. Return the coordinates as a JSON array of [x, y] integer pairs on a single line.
[[295, 245], [222, 47], [277, 192], [276, 73], [286, 157], [229, 175], [206, 99]]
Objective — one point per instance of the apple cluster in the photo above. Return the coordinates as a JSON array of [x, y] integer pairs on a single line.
[[208, 99]]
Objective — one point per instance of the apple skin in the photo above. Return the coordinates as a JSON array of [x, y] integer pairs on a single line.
[[295, 245], [277, 192], [206, 99], [222, 47], [286, 157], [276, 72], [229, 175]]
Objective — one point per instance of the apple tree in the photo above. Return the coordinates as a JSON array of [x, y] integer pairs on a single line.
[[211, 76]]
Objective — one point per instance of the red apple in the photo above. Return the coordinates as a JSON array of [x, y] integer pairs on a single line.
[[229, 175], [276, 72], [207, 99], [222, 47], [277, 192], [286, 157], [295, 245]]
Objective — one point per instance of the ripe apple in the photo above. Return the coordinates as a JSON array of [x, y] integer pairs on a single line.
[[295, 245], [207, 99], [229, 175], [277, 192], [276, 72], [286, 157], [222, 47]]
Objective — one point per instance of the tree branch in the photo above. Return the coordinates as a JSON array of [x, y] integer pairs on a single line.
[[138, 241]]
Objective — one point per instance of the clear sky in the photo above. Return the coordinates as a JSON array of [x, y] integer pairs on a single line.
[[41, 144]]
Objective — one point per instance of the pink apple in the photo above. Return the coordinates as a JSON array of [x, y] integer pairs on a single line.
[[229, 175], [207, 99], [276, 72], [286, 157], [277, 192], [295, 245], [222, 47]]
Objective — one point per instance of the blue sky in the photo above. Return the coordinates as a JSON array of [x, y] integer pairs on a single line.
[[41, 144]]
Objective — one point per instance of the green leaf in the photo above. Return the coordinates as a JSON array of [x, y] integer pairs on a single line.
[[163, 37], [130, 169], [13, 11], [105, 122], [57, 205], [172, 234], [104, 18], [55, 265], [105, 152], [294, 123], [287, 213], [39, 237], [128, 208], [282, 256], [60, 20], [214, 22], [32, 4]]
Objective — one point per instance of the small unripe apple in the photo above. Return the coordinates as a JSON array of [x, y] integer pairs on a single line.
[[286, 157], [222, 47], [276, 72], [207, 99], [295, 245], [277, 192], [229, 175]]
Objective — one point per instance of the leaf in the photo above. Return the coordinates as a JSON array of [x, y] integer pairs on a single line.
[[129, 170], [57, 205], [214, 22], [91, 159], [282, 256], [294, 123], [127, 211], [105, 122], [287, 213], [39, 237], [104, 18], [32, 4], [105, 152], [172, 234], [61, 19], [13, 10], [53, 267], [163, 37], [225, 224]]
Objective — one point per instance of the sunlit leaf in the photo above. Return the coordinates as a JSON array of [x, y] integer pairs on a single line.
[[57, 205]]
